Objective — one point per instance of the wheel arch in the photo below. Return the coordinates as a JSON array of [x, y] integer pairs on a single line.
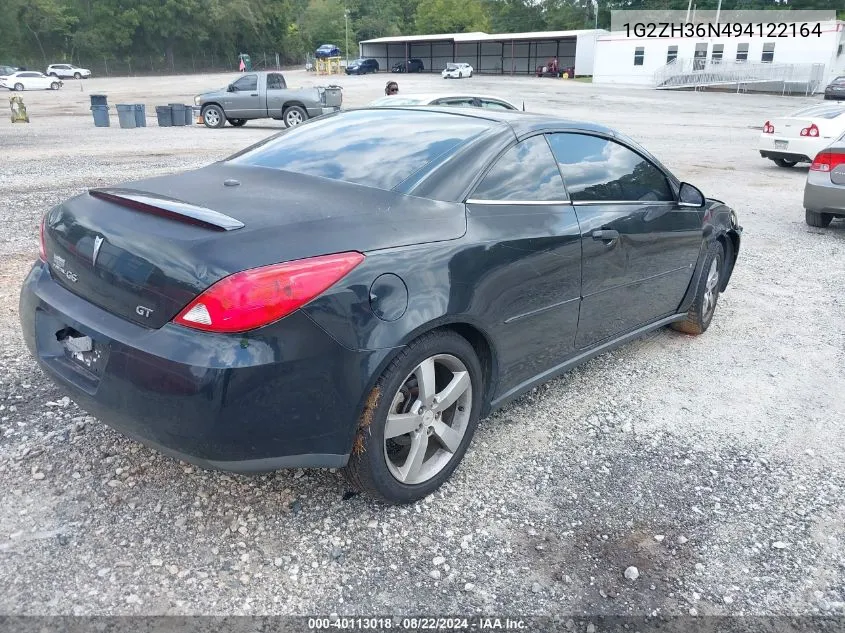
[[730, 243], [288, 104], [474, 334]]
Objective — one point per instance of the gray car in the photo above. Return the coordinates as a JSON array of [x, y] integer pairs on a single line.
[[824, 193], [265, 95]]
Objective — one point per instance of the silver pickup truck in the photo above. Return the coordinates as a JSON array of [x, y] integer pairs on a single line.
[[265, 95]]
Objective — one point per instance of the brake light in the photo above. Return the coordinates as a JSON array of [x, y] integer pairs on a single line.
[[42, 247], [254, 298], [810, 131], [827, 161], [768, 128]]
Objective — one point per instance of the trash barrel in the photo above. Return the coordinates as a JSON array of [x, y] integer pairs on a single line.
[[101, 115], [177, 113], [164, 115], [99, 100], [140, 115], [126, 115], [189, 115]]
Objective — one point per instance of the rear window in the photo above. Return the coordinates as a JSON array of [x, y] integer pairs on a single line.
[[372, 148], [821, 111]]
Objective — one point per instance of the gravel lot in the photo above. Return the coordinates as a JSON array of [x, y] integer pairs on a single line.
[[714, 465]]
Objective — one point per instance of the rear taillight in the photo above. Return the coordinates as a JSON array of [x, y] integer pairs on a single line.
[[42, 250], [810, 131], [768, 128], [827, 161], [254, 298]]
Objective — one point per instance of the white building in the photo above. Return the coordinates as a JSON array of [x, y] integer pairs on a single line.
[[632, 60], [493, 53]]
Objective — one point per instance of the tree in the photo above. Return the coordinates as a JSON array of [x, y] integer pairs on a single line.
[[451, 16]]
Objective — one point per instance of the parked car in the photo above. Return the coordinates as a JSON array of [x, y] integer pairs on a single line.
[[66, 71], [456, 71], [5, 70], [411, 66], [362, 67], [30, 80], [797, 138], [327, 50], [449, 99], [835, 89], [347, 294], [265, 95], [824, 191]]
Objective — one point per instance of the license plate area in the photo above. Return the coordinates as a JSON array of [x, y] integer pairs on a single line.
[[77, 356], [781, 144]]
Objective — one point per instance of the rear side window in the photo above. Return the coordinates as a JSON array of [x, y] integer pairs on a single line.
[[525, 172], [597, 169], [275, 81], [377, 148]]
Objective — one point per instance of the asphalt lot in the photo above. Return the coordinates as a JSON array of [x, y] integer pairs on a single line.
[[712, 464]]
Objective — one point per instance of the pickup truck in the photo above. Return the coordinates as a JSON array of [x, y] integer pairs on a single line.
[[265, 95]]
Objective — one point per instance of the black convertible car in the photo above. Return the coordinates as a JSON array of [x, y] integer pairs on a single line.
[[346, 294]]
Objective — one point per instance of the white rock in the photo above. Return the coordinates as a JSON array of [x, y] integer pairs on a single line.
[[438, 560], [632, 573], [693, 611], [780, 545], [435, 573], [469, 586], [659, 538], [682, 540], [699, 567], [728, 600]]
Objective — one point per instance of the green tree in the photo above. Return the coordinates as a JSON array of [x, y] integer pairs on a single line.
[[451, 16]]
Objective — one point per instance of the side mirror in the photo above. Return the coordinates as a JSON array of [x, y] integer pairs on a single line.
[[230, 88], [690, 196]]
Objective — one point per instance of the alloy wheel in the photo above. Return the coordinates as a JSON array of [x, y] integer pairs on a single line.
[[212, 117], [710, 289], [428, 419], [293, 118]]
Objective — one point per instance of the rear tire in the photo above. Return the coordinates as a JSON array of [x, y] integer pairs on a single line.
[[381, 462], [703, 306], [294, 115], [783, 162], [54, 85], [237, 122], [19, 87], [77, 76], [816, 219]]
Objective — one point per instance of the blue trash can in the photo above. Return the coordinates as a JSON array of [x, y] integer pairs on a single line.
[[164, 115], [189, 115], [99, 100], [101, 115], [140, 115], [177, 115], [126, 115]]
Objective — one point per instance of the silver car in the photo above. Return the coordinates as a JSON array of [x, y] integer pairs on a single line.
[[824, 193]]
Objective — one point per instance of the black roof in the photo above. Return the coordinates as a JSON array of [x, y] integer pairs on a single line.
[[520, 122]]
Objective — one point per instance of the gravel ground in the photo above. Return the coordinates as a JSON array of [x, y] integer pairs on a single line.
[[713, 465]]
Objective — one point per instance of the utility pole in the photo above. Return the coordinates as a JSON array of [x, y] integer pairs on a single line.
[[346, 20]]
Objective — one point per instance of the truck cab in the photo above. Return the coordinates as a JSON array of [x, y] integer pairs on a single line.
[[265, 95]]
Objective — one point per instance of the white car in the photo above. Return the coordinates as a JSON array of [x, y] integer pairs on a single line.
[[68, 70], [453, 99], [30, 80], [456, 71], [797, 138]]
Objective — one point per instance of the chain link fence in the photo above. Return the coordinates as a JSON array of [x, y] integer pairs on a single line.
[[178, 64]]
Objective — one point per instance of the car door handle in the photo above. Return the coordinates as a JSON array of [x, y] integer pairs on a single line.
[[605, 235]]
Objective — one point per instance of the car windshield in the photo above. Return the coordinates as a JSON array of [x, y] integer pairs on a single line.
[[451, 66], [367, 147], [821, 111]]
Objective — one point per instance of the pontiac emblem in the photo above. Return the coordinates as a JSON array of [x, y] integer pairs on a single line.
[[98, 242]]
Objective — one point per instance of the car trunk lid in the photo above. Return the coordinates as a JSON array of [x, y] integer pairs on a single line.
[[145, 250]]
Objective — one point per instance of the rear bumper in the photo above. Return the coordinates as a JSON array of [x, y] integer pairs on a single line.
[[285, 396], [822, 195], [801, 149]]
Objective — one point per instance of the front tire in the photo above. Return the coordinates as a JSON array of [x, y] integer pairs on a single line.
[[703, 306], [816, 219], [19, 87], [419, 421], [54, 85], [294, 115], [77, 75], [783, 162], [213, 116]]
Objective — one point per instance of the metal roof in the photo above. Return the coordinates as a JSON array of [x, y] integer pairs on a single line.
[[479, 36]]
